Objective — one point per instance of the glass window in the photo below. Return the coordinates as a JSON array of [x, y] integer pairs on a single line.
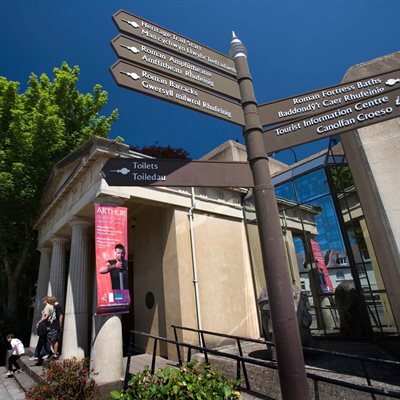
[[311, 186]]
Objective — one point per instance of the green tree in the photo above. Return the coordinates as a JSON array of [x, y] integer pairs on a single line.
[[168, 152], [38, 128]]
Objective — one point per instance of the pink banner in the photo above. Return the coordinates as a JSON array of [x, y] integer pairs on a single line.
[[111, 259], [325, 280]]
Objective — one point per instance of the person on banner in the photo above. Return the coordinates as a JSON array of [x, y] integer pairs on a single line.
[[118, 269]]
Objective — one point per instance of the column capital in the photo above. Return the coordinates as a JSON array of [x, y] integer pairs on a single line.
[[80, 221], [60, 239], [45, 249]]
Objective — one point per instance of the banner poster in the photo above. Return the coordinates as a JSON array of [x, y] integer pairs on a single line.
[[111, 264], [325, 280]]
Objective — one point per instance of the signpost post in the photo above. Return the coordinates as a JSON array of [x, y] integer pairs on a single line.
[[289, 352]]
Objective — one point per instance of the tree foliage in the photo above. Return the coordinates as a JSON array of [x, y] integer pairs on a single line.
[[38, 128], [166, 152]]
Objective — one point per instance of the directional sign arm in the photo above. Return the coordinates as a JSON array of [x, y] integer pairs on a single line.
[[365, 112], [173, 90]]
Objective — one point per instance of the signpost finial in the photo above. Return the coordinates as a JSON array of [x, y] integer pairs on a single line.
[[237, 48]]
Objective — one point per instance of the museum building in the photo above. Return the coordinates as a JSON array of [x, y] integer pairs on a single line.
[[194, 256]]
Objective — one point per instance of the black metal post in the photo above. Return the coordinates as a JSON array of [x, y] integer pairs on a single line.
[[289, 353]]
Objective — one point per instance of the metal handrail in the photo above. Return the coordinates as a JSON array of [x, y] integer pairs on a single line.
[[263, 363], [311, 349]]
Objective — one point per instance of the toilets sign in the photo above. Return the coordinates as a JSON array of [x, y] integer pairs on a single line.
[[183, 173]]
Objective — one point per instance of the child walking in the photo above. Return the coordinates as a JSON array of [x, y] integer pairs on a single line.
[[17, 350]]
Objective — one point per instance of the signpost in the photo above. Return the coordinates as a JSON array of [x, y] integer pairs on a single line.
[[178, 67], [137, 77], [367, 111], [312, 116], [176, 91], [149, 32], [154, 172], [307, 104]]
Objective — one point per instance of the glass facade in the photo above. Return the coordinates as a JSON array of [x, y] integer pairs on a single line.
[[329, 252]]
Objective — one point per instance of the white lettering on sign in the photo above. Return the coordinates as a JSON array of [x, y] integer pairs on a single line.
[[144, 165], [149, 34], [156, 29], [306, 99], [370, 82], [337, 125], [363, 93], [299, 110], [199, 78], [154, 78], [111, 211], [153, 52], [142, 176], [217, 109], [185, 64], [288, 129], [162, 64], [222, 65], [336, 91], [374, 114], [326, 117], [333, 102], [183, 88], [371, 103], [178, 39], [154, 88], [187, 99]]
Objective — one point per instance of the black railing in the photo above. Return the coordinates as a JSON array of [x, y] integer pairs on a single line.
[[241, 362]]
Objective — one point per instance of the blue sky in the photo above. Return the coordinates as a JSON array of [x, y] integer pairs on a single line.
[[294, 47]]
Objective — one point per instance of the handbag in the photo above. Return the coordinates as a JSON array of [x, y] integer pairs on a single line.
[[42, 328]]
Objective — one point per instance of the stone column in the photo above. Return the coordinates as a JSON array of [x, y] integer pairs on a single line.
[[58, 269], [76, 317], [106, 332], [41, 290]]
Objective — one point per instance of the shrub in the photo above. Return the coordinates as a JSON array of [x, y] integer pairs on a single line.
[[191, 381], [65, 380]]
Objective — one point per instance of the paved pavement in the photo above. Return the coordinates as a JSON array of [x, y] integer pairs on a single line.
[[9, 388]]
